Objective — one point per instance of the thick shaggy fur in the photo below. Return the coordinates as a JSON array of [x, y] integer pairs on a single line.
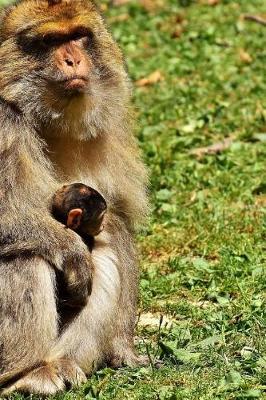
[[47, 139]]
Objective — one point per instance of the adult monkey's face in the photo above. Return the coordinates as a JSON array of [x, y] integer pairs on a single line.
[[56, 50]]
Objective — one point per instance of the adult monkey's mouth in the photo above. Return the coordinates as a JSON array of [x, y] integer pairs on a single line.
[[76, 83]]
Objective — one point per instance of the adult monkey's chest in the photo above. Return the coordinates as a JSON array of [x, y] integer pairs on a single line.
[[79, 161]]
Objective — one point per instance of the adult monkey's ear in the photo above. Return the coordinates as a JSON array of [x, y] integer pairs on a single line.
[[74, 218]]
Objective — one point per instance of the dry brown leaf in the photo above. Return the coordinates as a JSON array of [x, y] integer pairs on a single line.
[[118, 18], [117, 3], [260, 19], [261, 200], [179, 18], [245, 56], [151, 5], [213, 149], [153, 78], [177, 32], [104, 7], [213, 2], [149, 319]]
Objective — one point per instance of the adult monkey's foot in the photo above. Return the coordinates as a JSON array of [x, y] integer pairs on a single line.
[[124, 354], [48, 379], [129, 359]]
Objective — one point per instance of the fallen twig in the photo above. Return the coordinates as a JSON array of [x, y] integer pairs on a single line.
[[212, 149], [153, 78], [255, 18]]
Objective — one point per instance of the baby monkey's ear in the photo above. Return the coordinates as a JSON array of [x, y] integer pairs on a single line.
[[74, 218]]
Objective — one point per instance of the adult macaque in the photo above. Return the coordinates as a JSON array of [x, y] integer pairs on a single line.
[[64, 97]]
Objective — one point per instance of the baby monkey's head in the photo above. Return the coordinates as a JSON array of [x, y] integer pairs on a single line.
[[80, 208]]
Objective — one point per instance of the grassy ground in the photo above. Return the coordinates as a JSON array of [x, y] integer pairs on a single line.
[[202, 308]]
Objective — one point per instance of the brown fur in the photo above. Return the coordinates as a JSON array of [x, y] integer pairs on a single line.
[[80, 208], [48, 138]]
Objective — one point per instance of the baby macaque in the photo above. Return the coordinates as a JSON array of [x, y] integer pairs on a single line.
[[81, 209]]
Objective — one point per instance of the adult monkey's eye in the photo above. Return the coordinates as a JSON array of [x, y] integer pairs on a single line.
[[50, 40], [81, 35], [89, 38], [84, 41], [90, 35]]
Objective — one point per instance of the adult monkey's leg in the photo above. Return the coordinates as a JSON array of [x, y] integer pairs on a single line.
[[28, 328], [123, 350]]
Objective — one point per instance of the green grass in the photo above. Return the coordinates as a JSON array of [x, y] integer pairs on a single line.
[[203, 251]]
